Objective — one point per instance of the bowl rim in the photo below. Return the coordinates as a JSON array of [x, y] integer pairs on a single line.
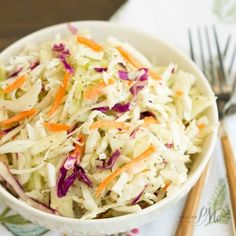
[[190, 181]]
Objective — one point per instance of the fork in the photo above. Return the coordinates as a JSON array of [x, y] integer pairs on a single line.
[[217, 76]]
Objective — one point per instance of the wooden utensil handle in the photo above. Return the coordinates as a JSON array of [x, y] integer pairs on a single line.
[[186, 224], [231, 172]]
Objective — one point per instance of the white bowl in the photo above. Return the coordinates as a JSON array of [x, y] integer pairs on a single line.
[[151, 47]]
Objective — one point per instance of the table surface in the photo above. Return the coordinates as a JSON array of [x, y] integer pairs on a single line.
[[19, 18]]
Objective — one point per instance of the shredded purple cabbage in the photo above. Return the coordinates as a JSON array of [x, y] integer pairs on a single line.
[[82, 176], [42, 206], [34, 65], [62, 54], [169, 145], [12, 182], [137, 198], [72, 28], [5, 131], [66, 65], [15, 73], [145, 114], [70, 162], [73, 128], [110, 163], [100, 69], [101, 109], [141, 82], [136, 88], [10, 129], [119, 107], [69, 181], [134, 132], [64, 183], [60, 183], [123, 75], [61, 49], [144, 76]]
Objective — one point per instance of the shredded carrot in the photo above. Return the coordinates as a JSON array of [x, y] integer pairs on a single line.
[[15, 85], [148, 120], [167, 184], [109, 124], [89, 43], [60, 94], [79, 150], [133, 61], [129, 82], [21, 116], [201, 126], [179, 93], [154, 75], [55, 127], [81, 138], [128, 57], [95, 90], [127, 166]]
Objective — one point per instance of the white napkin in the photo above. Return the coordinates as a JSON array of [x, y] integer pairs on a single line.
[[169, 20]]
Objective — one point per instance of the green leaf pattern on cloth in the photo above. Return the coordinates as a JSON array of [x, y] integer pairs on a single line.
[[12, 219], [218, 203], [225, 10], [18, 225], [26, 230]]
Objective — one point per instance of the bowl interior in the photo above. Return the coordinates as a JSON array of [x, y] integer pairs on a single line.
[[152, 48]]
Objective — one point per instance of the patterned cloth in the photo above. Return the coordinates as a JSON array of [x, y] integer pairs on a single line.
[[169, 19]]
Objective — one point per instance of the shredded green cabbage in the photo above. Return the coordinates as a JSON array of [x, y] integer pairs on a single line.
[[76, 128], [2, 72]]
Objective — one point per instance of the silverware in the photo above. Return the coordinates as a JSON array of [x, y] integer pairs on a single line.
[[224, 85]]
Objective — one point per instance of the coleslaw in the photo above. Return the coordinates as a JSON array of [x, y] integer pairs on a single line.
[[94, 130]]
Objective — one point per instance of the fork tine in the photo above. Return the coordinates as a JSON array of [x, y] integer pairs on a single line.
[[232, 60], [191, 45], [233, 86], [222, 78], [232, 96], [227, 44], [212, 74], [201, 51]]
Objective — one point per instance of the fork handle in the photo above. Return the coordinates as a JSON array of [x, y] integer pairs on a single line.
[[188, 217], [231, 172]]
